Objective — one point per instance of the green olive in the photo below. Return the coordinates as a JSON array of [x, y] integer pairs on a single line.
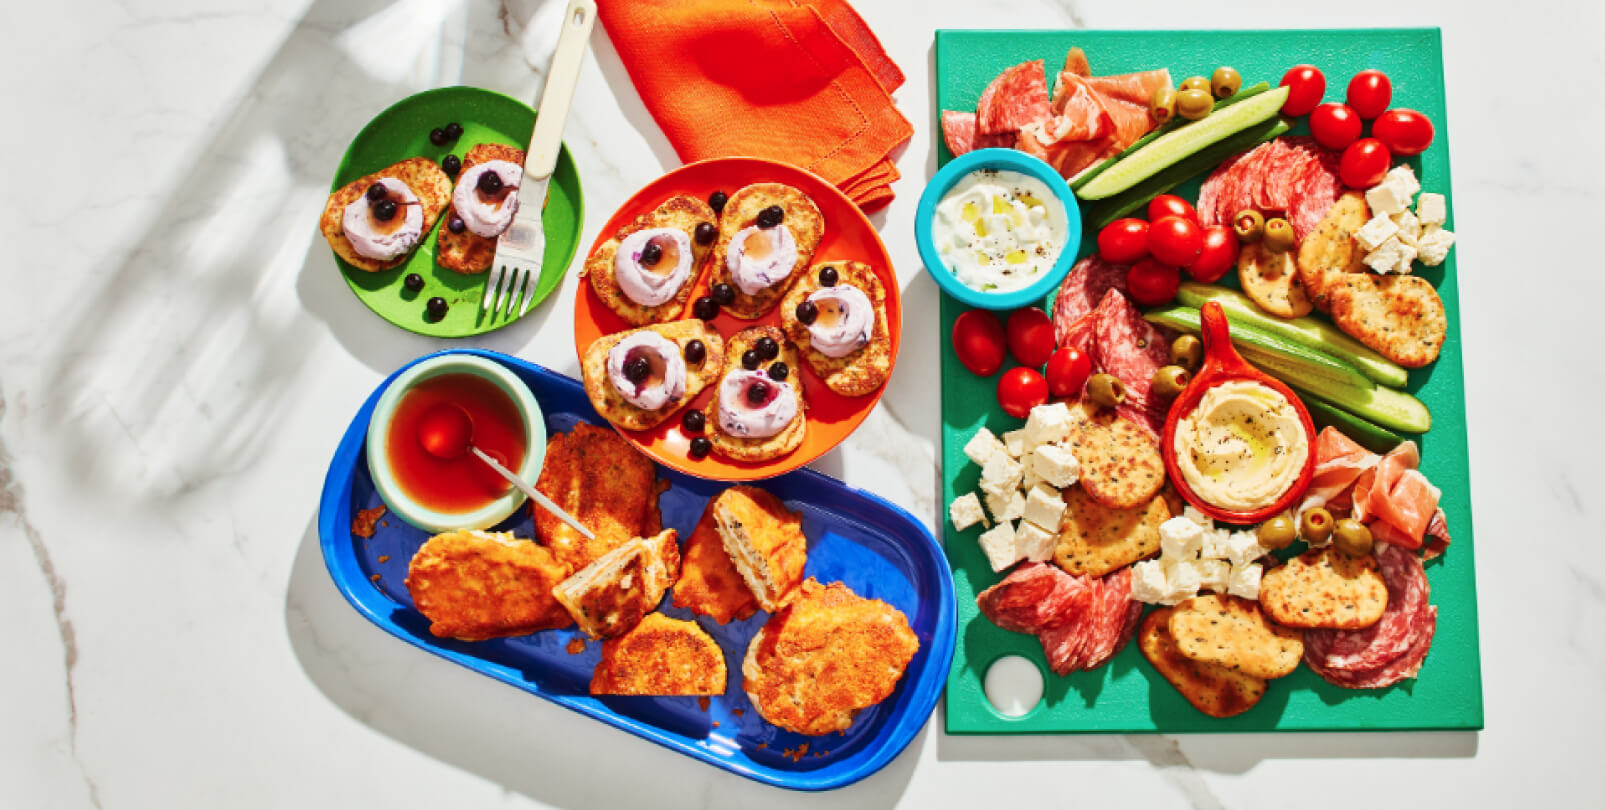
[[1106, 390], [1352, 537], [1226, 82], [1194, 104], [1195, 83], [1249, 225], [1163, 105], [1277, 533], [1278, 235], [1169, 381], [1188, 352], [1315, 525]]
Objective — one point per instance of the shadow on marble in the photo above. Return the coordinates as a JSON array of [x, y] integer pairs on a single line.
[[510, 737], [629, 101]]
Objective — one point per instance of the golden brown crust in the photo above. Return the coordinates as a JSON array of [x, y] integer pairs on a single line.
[[790, 437], [709, 583], [1095, 539], [683, 212], [468, 252], [606, 484], [609, 596], [1234, 633], [1401, 317], [1271, 279], [1120, 466], [862, 371], [661, 656], [1325, 588], [755, 520], [422, 175], [611, 404], [1210, 688], [827, 655], [1330, 252], [474, 585], [802, 218]]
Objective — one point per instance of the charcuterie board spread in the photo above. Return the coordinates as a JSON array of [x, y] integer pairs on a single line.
[[1216, 480]]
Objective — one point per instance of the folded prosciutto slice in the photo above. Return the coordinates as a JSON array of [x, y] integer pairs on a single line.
[[1395, 500], [1339, 462]]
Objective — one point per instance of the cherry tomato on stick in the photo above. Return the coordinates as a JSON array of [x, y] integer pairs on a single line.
[[1305, 85], [1020, 389], [1068, 370], [1404, 132], [1123, 241], [1170, 205], [1370, 91], [1175, 240], [1364, 163], [979, 342], [1153, 283], [1218, 255], [1030, 334], [1335, 126]]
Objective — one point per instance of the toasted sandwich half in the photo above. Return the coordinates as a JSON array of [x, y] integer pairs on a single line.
[[610, 596], [765, 542]]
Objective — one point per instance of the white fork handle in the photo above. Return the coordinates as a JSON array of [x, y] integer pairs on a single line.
[[561, 78], [533, 493]]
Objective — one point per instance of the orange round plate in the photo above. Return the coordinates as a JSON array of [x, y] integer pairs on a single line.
[[848, 235]]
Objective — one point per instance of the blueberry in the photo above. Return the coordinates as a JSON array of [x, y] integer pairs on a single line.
[[771, 216], [437, 136], [456, 225], [384, 210], [705, 233], [413, 282], [757, 392], [778, 372], [490, 182], [451, 165], [705, 309], [828, 276], [637, 369], [695, 352], [693, 421], [436, 308], [807, 312], [750, 359], [767, 348], [717, 200], [700, 447], [376, 192], [651, 254], [723, 294], [454, 131]]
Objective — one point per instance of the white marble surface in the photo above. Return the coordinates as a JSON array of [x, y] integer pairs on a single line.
[[178, 356]]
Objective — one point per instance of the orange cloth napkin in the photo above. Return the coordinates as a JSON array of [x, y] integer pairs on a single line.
[[801, 81]]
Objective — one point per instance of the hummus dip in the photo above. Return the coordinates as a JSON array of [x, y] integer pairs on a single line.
[[1242, 447]]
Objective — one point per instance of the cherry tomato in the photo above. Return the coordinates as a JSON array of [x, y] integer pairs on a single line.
[[1170, 205], [1030, 332], [1364, 163], [1175, 240], [1369, 93], [1123, 241], [1218, 255], [1335, 126], [978, 341], [1404, 132], [1068, 370], [1153, 283], [1305, 85], [1020, 389]]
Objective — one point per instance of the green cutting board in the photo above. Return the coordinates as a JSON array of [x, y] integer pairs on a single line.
[[1128, 695]]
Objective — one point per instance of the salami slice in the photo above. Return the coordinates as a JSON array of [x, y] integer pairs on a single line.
[[1030, 598], [1268, 172], [1116, 614], [1129, 627], [1405, 666], [1064, 642], [1237, 193], [958, 131], [1282, 179], [1128, 347], [1388, 639], [1318, 187], [1209, 194], [1099, 632], [1080, 294], [1018, 96]]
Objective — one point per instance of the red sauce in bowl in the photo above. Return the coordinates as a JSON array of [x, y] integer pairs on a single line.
[[465, 483]]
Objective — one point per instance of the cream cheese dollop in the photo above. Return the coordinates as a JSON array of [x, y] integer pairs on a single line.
[[665, 380], [759, 258], [739, 416], [656, 284], [384, 241], [488, 215], [844, 320]]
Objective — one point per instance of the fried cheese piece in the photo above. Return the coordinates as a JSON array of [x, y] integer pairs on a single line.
[[468, 252], [661, 656], [709, 583], [607, 400], [825, 657], [864, 370], [612, 594], [475, 585], [422, 175], [800, 216], [605, 483], [682, 211], [790, 437], [764, 541]]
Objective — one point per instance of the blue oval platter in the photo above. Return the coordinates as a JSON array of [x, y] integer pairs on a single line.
[[877, 549]]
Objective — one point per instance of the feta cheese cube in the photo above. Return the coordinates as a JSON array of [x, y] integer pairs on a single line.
[[1244, 581], [1434, 246], [1180, 539], [1029, 478], [1048, 424], [1056, 465], [998, 543], [1243, 548], [1407, 257], [1181, 581], [1000, 474], [1014, 442], [1034, 543], [981, 446], [1214, 575], [1148, 581], [1409, 227], [1193, 514], [1385, 258], [1214, 547], [965, 511], [1432, 208], [1006, 506], [1403, 180], [1044, 507], [1373, 233], [1385, 200]]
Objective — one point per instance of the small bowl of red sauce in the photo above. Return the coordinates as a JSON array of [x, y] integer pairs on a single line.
[[437, 493]]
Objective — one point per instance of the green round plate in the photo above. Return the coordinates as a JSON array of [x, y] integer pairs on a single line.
[[401, 132]]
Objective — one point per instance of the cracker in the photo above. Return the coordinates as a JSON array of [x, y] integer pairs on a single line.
[[1210, 688], [802, 218], [790, 437], [1330, 251], [1271, 280], [682, 211], [862, 371], [1095, 539], [1325, 588], [420, 174], [1120, 465], [1234, 633], [468, 252], [611, 404], [1401, 317]]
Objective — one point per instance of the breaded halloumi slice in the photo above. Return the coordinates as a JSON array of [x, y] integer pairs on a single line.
[[661, 656]]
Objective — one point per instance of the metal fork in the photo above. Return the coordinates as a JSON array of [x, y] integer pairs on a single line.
[[521, 250]]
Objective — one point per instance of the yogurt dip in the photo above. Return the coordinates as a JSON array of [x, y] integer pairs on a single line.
[[999, 230]]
